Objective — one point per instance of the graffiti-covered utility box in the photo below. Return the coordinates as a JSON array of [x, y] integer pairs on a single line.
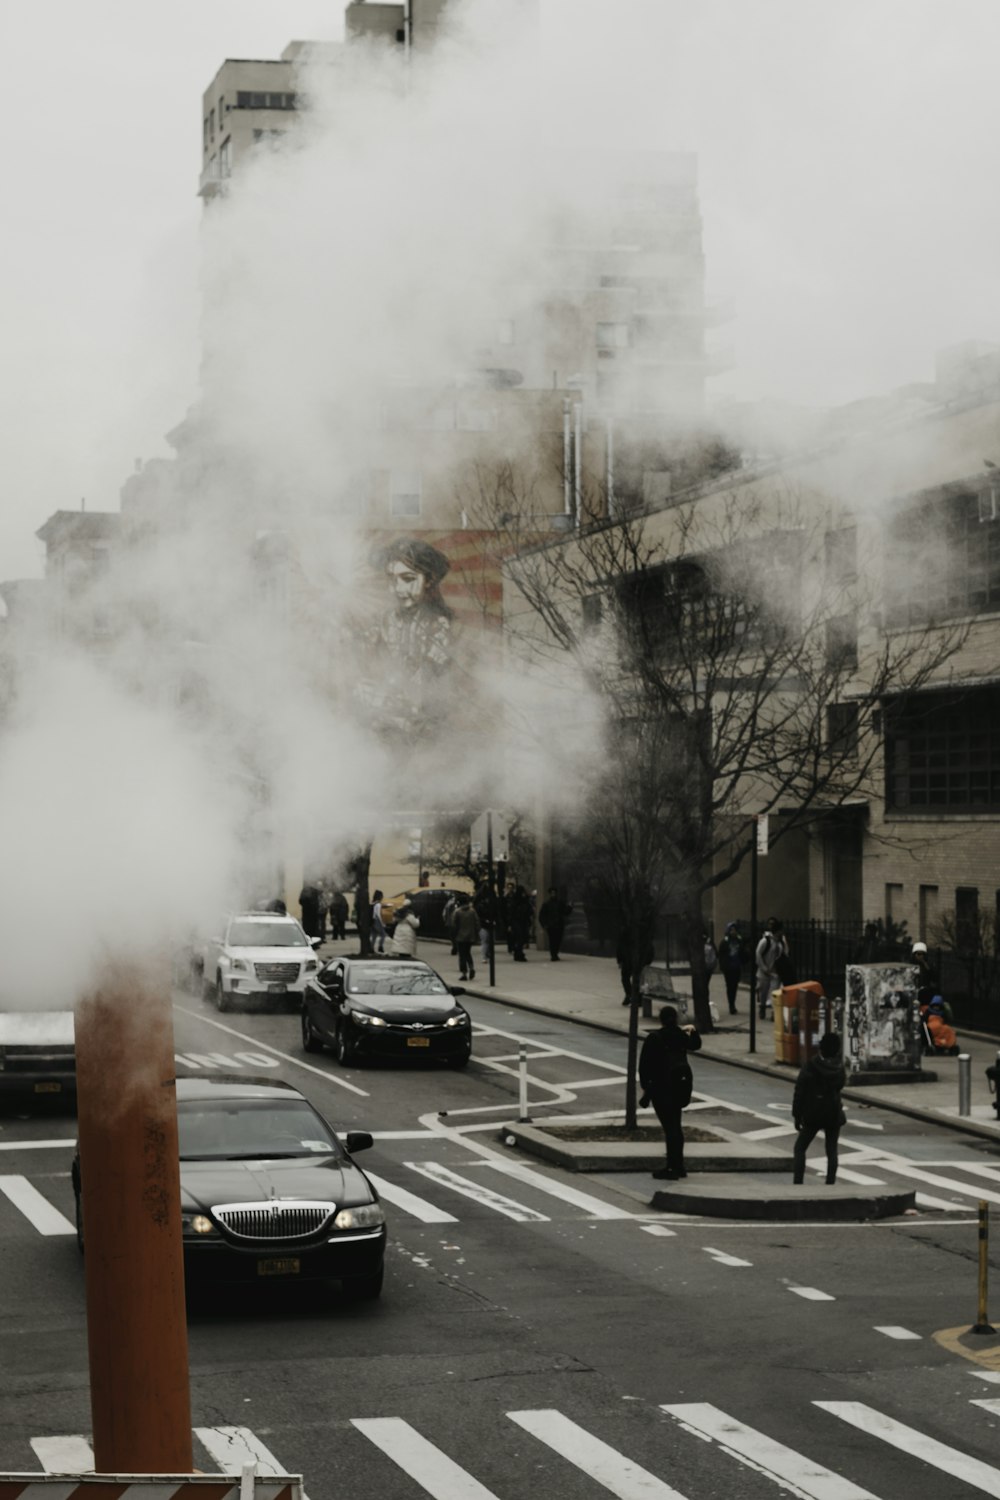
[[882, 1033]]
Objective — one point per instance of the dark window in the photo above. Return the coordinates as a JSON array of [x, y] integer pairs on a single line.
[[942, 561], [842, 730], [593, 609], [242, 100], [967, 919], [942, 752], [842, 643], [841, 549]]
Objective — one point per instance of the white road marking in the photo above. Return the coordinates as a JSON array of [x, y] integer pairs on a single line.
[[232, 1447], [400, 1197], [208, 1060], [659, 1229], [766, 1132], [811, 1294], [993, 1376], [724, 1259], [849, 1175], [601, 1462], [63, 1455], [917, 1444], [904, 1168], [892, 1331], [924, 1200], [342, 1083], [433, 1470], [786, 1467], [594, 1207], [988, 1403], [479, 1194], [36, 1209], [65, 1140]]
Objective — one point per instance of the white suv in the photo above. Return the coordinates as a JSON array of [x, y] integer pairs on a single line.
[[260, 957]]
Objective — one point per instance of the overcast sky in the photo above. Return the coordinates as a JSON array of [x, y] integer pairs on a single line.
[[848, 171]]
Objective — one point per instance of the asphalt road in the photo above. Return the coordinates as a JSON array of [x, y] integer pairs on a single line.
[[542, 1333]]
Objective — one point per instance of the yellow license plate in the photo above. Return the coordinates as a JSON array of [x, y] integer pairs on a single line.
[[418, 1041], [48, 1088], [290, 1266]]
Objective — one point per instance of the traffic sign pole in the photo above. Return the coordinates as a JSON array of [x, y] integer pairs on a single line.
[[492, 925]]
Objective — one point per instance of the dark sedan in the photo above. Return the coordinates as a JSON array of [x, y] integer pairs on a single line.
[[385, 1007], [268, 1191]]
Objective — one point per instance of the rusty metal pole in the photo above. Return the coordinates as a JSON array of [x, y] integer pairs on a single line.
[[136, 1322]]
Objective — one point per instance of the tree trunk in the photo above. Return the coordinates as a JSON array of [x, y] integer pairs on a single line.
[[631, 1090], [694, 932]]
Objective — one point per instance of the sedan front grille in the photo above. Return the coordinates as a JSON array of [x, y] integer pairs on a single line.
[[277, 973], [273, 1221]]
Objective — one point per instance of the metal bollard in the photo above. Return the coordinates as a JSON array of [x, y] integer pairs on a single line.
[[522, 1085], [964, 1084], [983, 1324]]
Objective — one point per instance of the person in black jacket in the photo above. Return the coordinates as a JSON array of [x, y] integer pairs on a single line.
[[816, 1106], [667, 1081]]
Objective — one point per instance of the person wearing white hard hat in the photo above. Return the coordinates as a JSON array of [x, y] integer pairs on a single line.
[[927, 975]]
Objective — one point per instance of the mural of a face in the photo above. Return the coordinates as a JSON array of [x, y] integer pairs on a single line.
[[407, 584]]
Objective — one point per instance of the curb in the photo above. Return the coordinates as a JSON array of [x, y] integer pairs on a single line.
[[855, 1095], [846, 1206]]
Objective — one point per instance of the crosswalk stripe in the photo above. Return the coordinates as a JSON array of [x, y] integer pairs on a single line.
[[63, 1455], [924, 1200], [36, 1208], [950, 1184], [232, 1447], [959, 1465], [479, 1194], [894, 1331], [590, 1205], [439, 1475], [783, 1465], [603, 1463], [988, 1403], [64, 1140], [661, 1230], [724, 1258], [400, 1197], [812, 1294]]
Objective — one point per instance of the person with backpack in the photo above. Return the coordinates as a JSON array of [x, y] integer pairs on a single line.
[[816, 1106], [667, 1083], [773, 965]]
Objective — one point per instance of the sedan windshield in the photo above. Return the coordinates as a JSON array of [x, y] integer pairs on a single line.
[[377, 979], [266, 935], [251, 1129]]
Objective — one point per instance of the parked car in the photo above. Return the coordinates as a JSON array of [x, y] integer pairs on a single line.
[[37, 1055], [268, 1190], [260, 958], [385, 1007], [428, 905]]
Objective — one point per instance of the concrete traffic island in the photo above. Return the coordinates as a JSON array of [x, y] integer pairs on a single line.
[[577, 1146], [732, 1197]]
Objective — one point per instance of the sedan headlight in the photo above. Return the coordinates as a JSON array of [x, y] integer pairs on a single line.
[[364, 1019], [460, 1018], [238, 965], [197, 1224], [368, 1216]]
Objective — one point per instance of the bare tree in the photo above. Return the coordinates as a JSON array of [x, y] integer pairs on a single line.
[[721, 640]]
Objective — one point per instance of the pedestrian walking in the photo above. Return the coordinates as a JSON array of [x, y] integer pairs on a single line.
[[338, 916], [519, 918], [667, 1082], [816, 1106], [772, 960], [448, 918], [309, 899], [404, 934], [625, 956], [379, 933], [552, 917], [731, 955], [464, 931], [485, 904]]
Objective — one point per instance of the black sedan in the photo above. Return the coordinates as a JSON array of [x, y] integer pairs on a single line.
[[268, 1191], [385, 1007]]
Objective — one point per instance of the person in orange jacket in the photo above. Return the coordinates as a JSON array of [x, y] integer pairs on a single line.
[[942, 1034]]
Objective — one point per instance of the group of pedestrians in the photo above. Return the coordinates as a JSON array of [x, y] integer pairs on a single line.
[[322, 903]]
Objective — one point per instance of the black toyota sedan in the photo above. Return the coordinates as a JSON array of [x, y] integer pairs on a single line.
[[385, 1007], [268, 1191]]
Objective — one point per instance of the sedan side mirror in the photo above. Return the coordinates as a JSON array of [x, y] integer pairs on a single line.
[[458, 989], [358, 1140]]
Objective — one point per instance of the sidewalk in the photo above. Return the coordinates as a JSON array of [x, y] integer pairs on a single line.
[[588, 990]]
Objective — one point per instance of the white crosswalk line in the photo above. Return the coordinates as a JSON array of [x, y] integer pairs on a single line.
[[724, 1258], [232, 1447], [479, 1194], [590, 1205], [63, 1455], [993, 1376], [786, 1467], [950, 1184], [893, 1331], [847, 1174], [400, 1197], [767, 1132], [433, 1470], [924, 1200], [36, 1208], [811, 1294], [66, 1140], [600, 1461], [917, 1444], [660, 1229], [988, 1403]]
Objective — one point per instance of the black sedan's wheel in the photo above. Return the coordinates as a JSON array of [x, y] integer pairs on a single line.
[[365, 1288], [310, 1041], [79, 1224], [344, 1048], [221, 998]]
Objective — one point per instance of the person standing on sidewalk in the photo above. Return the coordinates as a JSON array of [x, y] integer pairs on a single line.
[[552, 916], [772, 956], [667, 1082], [465, 931], [731, 953], [816, 1106]]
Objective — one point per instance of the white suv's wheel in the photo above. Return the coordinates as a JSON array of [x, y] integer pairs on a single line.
[[221, 998]]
